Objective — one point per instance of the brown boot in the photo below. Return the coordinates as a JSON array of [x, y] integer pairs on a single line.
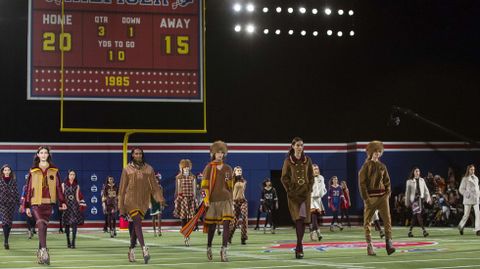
[[370, 251], [389, 247]]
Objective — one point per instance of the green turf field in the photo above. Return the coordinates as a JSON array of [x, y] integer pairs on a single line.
[[97, 250]]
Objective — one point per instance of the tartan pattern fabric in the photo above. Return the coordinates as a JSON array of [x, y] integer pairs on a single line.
[[9, 200], [72, 215], [187, 186], [185, 207], [6, 213], [241, 211]]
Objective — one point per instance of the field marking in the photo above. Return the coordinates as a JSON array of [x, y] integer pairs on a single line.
[[426, 260], [139, 264], [279, 266], [243, 252], [252, 256], [460, 266], [86, 260]]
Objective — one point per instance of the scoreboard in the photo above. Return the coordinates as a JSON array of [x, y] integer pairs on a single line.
[[116, 50]]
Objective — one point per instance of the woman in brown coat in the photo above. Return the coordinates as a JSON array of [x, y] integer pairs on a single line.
[[375, 190], [217, 185], [137, 184], [297, 179]]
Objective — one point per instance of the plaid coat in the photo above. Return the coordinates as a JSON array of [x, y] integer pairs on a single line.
[[9, 199]]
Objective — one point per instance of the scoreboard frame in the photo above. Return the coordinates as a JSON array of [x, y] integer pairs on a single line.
[[127, 131]]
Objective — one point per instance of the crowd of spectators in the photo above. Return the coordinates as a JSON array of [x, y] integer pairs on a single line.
[[446, 208]]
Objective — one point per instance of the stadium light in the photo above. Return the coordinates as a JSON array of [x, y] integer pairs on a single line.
[[250, 28], [279, 9], [339, 33], [315, 33], [303, 32], [328, 11], [290, 10], [277, 31], [302, 10], [266, 31], [238, 28], [237, 7], [290, 32], [352, 33], [265, 9], [329, 32], [314, 11], [340, 12], [250, 7], [350, 12]]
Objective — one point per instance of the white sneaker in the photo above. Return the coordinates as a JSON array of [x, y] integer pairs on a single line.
[[39, 257], [45, 258], [209, 253], [223, 254], [131, 255]]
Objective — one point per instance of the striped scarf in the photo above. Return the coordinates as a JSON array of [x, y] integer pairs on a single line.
[[190, 226]]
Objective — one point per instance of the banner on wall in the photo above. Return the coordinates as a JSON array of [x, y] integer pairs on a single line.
[[116, 50]]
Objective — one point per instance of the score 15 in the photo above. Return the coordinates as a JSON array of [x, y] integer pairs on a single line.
[[182, 44]]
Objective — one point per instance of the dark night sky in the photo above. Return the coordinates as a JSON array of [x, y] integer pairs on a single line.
[[422, 55]]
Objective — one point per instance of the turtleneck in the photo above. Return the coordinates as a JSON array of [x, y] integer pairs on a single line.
[[6, 179]]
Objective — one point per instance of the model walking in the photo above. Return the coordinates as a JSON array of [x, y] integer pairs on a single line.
[[471, 193], [416, 194], [8, 201], [375, 189], [72, 216], [297, 179]]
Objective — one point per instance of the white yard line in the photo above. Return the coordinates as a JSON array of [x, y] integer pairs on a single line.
[[279, 266], [84, 260], [460, 266], [425, 260], [251, 256]]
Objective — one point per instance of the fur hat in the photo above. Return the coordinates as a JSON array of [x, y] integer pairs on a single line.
[[184, 163], [374, 146], [218, 146]]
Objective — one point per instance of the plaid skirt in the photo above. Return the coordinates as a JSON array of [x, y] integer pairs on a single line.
[[6, 213], [72, 215], [185, 207]]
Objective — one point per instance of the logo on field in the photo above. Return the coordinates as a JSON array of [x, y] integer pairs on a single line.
[[347, 245]]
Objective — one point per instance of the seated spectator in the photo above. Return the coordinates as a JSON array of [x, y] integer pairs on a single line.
[[401, 214], [431, 185], [440, 184]]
